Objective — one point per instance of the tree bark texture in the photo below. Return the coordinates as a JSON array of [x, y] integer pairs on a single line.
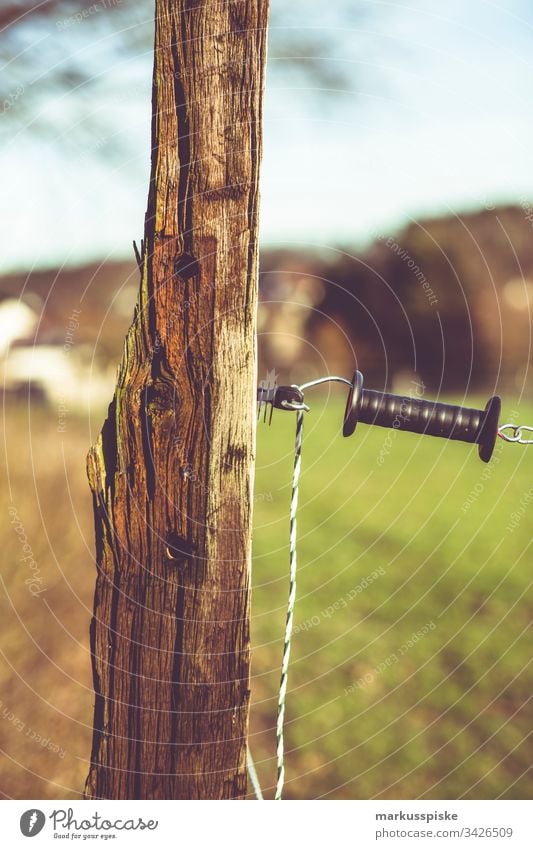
[[172, 470]]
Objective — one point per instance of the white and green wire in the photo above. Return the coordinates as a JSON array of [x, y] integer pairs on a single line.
[[280, 722]]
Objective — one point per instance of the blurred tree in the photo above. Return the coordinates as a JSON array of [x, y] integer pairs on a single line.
[[46, 55], [56, 48], [447, 299]]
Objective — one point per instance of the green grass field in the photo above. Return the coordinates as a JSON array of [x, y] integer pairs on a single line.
[[415, 682], [409, 674]]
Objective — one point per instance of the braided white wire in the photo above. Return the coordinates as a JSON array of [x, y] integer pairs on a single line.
[[252, 774], [290, 604]]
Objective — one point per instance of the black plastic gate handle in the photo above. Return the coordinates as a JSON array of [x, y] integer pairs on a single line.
[[431, 418]]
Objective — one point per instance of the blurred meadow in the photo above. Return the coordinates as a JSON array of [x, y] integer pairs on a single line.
[[410, 673]]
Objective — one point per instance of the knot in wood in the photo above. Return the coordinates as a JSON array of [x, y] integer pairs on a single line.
[[178, 547]]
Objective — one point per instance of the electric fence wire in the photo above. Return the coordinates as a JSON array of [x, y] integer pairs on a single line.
[[290, 605], [280, 748], [252, 773]]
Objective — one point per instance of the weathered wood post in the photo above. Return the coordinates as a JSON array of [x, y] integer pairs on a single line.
[[172, 471]]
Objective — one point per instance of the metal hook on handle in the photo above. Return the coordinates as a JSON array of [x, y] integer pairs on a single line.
[[294, 406], [332, 379], [279, 397], [289, 397]]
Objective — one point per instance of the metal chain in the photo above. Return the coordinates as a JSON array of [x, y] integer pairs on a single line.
[[290, 604], [517, 433]]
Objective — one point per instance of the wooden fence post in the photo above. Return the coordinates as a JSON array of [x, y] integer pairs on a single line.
[[172, 470]]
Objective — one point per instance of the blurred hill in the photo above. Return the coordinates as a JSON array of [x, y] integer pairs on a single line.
[[447, 300]]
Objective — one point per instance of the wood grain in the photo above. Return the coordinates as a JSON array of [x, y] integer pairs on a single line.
[[172, 470]]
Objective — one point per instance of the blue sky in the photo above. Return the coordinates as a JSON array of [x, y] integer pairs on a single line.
[[436, 118]]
